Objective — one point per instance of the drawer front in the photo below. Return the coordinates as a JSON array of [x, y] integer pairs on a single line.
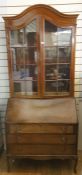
[[41, 149], [41, 138], [41, 128]]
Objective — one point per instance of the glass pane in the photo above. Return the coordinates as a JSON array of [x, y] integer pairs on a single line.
[[51, 86], [63, 86], [18, 56], [64, 36], [51, 54], [64, 54], [50, 34], [30, 33], [25, 58], [64, 71], [31, 71], [19, 87], [17, 38], [31, 55], [51, 72]]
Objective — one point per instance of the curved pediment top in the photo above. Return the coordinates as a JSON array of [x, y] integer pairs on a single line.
[[44, 10]]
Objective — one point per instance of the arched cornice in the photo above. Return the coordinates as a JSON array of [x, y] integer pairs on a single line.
[[59, 18]]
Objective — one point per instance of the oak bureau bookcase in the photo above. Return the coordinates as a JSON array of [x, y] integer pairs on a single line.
[[41, 120]]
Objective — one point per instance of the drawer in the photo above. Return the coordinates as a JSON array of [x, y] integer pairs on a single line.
[[46, 139], [41, 128], [41, 138], [41, 149]]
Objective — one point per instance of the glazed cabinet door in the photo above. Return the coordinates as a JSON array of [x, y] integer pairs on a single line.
[[57, 59], [24, 56]]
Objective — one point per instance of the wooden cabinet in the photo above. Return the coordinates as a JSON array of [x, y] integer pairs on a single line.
[[41, 49]]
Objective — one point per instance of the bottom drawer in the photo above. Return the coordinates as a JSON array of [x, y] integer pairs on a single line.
[[41, 149]]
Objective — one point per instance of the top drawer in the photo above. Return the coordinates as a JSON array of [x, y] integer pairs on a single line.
[[41, 128]]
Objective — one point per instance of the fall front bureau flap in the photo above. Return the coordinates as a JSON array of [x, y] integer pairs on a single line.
[[61, 110]]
